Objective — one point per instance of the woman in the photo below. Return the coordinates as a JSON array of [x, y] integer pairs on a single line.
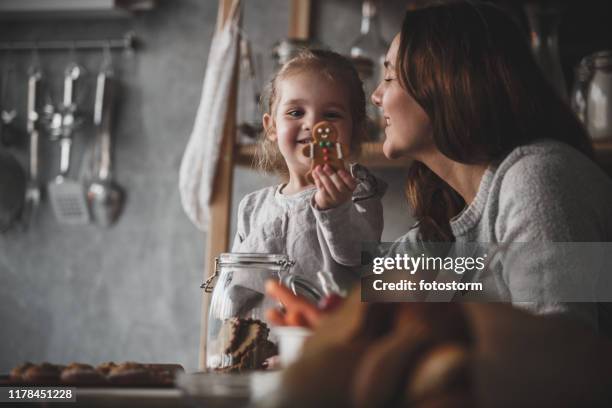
[[499, 157]]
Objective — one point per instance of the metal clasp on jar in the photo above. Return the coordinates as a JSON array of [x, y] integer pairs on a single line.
[[208, 284]]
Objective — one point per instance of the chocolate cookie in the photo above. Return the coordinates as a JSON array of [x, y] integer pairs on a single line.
[[105, 368], [247, 344], [130, 373], [44, 373], [16, 373]]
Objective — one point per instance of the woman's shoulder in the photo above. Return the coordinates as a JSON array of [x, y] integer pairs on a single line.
[[548, 163], [547, 182], [542, 149]]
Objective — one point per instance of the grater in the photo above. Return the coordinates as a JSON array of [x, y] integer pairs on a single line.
[[67, 195]]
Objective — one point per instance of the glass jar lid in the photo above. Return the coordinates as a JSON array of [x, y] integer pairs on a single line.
[[250, 259], [279, 262]]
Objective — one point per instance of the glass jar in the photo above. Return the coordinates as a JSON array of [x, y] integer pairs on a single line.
[[598, 115], [248, 113], [238, 336], [578, 96]]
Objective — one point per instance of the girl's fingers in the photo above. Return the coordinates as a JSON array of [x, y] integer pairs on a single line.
[[315, 173], [295, 318], [289, 318], [322, 195], [276, 317], [330, 185], [339, 183], [307, 313], [349, 180], [284, 295]]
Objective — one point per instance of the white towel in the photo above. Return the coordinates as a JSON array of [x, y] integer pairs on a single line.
[[201, 156]]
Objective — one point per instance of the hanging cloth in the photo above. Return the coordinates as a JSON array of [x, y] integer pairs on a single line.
[[199, 163]]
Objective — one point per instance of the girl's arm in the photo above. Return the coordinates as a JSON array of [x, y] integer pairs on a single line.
[[355, 222]]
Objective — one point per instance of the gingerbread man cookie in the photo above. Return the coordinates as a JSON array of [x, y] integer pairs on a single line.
[[324, 148]]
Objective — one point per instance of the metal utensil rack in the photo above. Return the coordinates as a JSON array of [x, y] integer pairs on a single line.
[[126, 43]]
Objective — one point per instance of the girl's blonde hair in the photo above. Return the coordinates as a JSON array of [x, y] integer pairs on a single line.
[[333, 66]]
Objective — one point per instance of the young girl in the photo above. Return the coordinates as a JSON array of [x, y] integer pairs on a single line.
[[322, 226]]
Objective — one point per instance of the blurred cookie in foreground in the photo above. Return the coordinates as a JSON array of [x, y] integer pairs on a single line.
[[384, 354]]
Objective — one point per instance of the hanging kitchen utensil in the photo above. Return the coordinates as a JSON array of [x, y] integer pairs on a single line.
[[32, 194], [9, 133], [105, 197], [249, 117], [68, 196], [12, 190]]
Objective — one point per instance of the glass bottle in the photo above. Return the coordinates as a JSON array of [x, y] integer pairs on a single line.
[[599, 96], [248, 112], [368, 54], [578, 95], [544, 20]]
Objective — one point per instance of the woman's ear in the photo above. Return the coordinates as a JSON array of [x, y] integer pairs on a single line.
[[269, 128]]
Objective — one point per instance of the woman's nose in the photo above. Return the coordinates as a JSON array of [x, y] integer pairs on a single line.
[[377, 96]]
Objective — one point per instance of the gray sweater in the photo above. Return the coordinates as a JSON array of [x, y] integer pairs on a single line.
[[330, 240], [540, 193]]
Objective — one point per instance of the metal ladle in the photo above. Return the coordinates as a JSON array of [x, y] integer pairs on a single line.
[[32, 197], [105, 197], [9, 133]]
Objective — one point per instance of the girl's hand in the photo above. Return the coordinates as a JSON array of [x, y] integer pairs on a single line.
[[333, 188], [298, 310]]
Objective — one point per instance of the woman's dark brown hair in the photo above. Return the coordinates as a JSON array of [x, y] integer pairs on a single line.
[[470, 68]]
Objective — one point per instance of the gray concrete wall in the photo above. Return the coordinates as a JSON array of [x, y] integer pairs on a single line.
[[131, 292]]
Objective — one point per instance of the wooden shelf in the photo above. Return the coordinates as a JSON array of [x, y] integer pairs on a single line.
[[603, 155], [372, 157], [603, 147]]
